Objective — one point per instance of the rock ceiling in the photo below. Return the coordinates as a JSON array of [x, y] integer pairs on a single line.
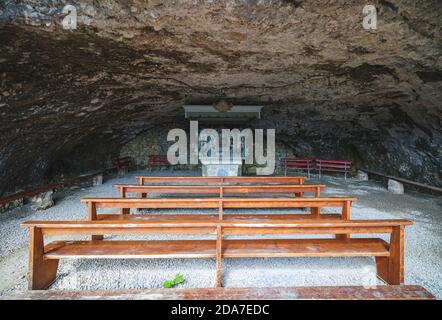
[[70, 97]]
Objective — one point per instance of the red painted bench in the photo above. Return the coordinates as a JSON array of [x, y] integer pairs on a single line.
[[343, 166], [303, 164], [158, 160]]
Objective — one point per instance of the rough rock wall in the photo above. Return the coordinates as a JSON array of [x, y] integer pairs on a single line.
[[70, 99], [154, 142]]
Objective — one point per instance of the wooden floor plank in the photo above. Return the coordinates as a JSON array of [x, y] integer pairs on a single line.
[[207, 249], [403, 292]]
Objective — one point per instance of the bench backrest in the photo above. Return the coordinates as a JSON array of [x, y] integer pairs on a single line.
[[334, 165], [210, 226], [141, 180], [201, 203], [125, 204], [158, 159], [297, 162], [123, 162], [220, 190]]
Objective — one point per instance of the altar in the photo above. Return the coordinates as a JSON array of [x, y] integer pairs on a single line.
[[229, 168]]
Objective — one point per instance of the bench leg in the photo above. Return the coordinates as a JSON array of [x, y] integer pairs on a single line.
[[92, 214], [345, 216], [315, 212], [143, 195], [396, 259], [219, 239], [123, 195], [382, 268], [42, 272]]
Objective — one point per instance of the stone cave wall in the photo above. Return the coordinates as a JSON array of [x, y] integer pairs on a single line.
[[154, 141]]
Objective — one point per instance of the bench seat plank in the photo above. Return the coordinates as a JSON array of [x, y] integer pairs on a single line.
[[252, 223], [393, 292], [207, 248]]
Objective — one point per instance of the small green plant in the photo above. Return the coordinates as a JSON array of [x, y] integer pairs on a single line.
[[177, 280]]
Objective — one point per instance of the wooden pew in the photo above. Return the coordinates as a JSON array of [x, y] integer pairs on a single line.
[[343, 166], [44, 259], [125, 204], [297, 163], [204, 181], [158, 160], [315, 204], [297, 190]]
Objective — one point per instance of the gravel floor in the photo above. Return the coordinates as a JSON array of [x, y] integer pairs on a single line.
[[423, 240]]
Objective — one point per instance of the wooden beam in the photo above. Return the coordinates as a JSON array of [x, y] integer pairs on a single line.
[[406, 181]]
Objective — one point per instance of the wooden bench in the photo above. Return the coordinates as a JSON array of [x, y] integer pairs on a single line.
[[125, 204], [204, 181], [158, 160], [42, 189], [381, 292], [315, 204], [296, 190], [343, 166], [44, 259], [123, 164], [303, 164]]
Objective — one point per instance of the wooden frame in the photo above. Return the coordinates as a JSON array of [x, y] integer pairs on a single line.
[[43, 260]]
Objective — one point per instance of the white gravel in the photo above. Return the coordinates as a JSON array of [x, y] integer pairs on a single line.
[[423, 252]]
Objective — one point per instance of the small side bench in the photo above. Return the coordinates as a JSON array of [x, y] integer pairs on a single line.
[[343, 166], [303, 164], [158, 160]]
